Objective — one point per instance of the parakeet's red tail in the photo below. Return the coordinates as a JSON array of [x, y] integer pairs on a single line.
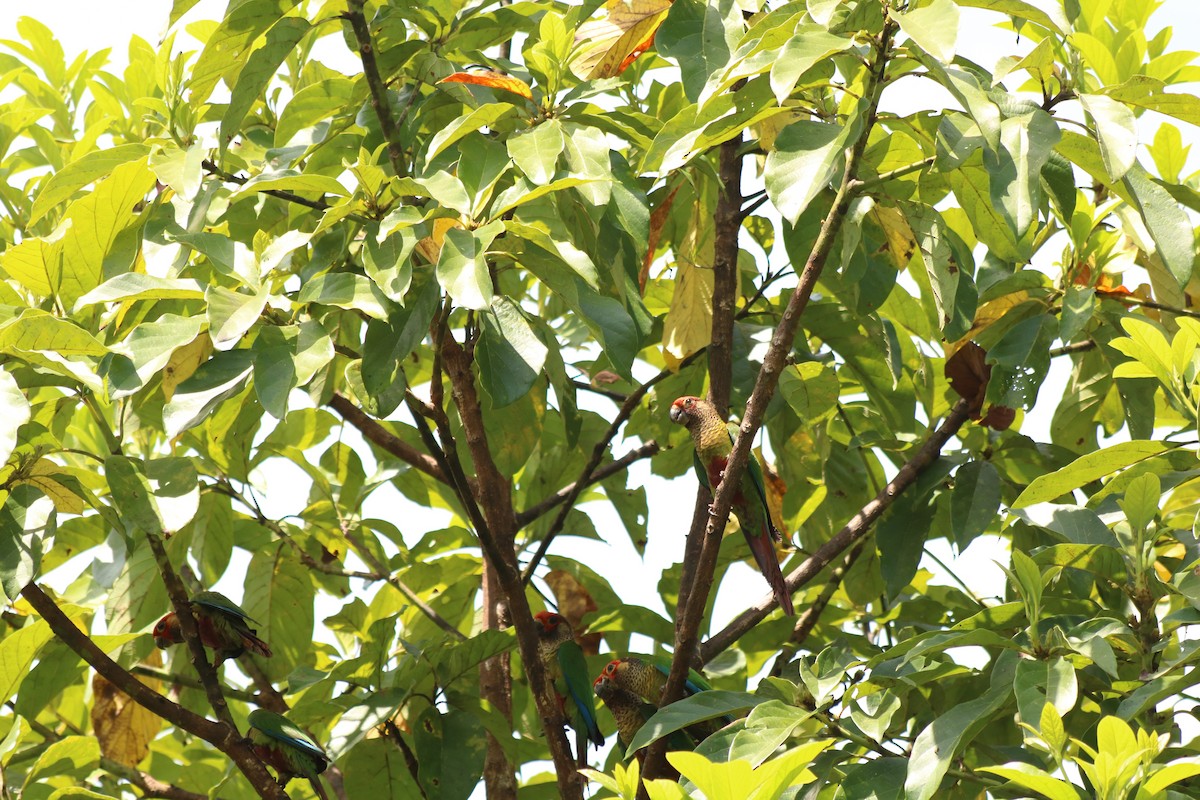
[[256, 645], [763, 548]]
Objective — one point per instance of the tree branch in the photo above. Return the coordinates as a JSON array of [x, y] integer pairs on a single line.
[[182, 604], [290, 197], [385, 440], [376, 84], [217, 734], [858, 526], [688, 621], [648, 450], [495, 495]]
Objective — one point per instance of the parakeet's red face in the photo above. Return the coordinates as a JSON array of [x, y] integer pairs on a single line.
[[165, 631], [682, 410], [610, 669], [549, 620]]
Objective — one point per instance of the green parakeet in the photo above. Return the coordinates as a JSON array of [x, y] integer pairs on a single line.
[[223, 627], [713, 446], [287, 749], [566, 666]]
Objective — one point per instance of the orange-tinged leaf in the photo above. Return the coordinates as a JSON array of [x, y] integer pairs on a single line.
[[611, 42], [493, 80], [574, 601], [430, 247], [986, 315], [658, 218], [123, 728]]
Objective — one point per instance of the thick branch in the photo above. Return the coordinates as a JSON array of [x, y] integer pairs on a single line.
[[215, 733], [384, 439], [191, 632], [688, 621], [855, 529], [376, 84], [495, 495]]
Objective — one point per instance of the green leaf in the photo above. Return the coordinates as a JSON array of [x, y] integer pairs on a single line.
[[462, 267], [313, 105], [485, 116], [1177, 770], [974, 502], [1034, 779], [139, 286], [346, 290], [133, 495], [64, 764], [876, 779], [216, 380], [376, 768], [938, 744], [289, 180], [811, 45], [804, 161], [260, 67], [900, 536], [1143, 496], [1167, 222], [1015, 168], [19, 649], [279, 596], [697, 35], [536, 151], [933, 26], [91, 228], [1088, 468], [225, 51], [811, 389], [78, 174], [1048, 15], [697, 708], [1116, 131]]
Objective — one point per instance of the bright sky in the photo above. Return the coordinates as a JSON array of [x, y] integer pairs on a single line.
[[86, 24]]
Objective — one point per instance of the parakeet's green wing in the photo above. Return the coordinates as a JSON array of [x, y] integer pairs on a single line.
[[755, 474], [220, 602], [575, 675], [282, 729], [701, 472]]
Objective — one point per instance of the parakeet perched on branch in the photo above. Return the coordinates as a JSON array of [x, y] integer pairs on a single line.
[[566, 666], [647, 678], [223, 627], [631, 712], [713, 445], [287, 749]]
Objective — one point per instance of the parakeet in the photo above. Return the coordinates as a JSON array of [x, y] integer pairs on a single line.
[[287, 749], [648, 678], [630, 713], [222, 624], [567, 668], [713, 446]]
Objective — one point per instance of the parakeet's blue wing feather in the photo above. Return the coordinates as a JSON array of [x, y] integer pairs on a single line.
[[281, 729], [220, 602], [575, 674]]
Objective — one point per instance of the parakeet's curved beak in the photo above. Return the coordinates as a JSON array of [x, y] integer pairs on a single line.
[[677, 414]]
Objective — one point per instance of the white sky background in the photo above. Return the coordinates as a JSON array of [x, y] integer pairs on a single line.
[[90, 25]]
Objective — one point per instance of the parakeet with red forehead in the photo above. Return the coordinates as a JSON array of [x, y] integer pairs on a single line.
[[713, 446], [631, 712], [648, 679], [223, 627], [287, 749], [566, 666]]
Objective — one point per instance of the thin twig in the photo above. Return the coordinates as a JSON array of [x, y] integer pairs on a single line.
[[290, 197], [376, 84]]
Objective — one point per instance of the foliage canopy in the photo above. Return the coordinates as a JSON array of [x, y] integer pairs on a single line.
[[473, 272]]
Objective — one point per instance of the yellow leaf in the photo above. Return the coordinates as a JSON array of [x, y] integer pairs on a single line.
[[688, 324], [612, 42], [123, 728], [491, 79], [430, 247], [986, 315], [901, 243], [183, 362]]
